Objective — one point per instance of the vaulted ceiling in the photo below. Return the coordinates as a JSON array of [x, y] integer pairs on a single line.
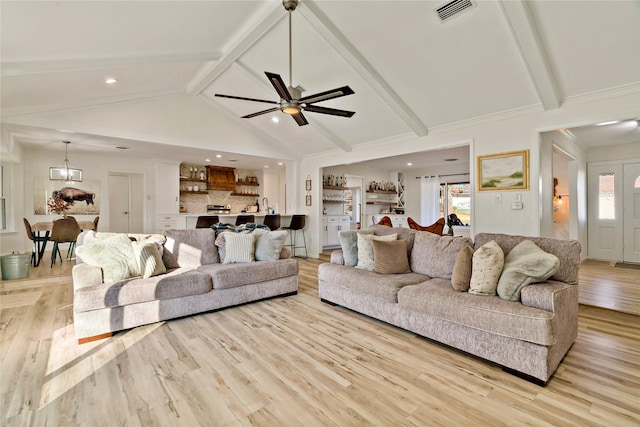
[[411, 72]]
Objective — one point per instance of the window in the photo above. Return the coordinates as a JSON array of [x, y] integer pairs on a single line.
[[455, 198], [606, 196], [3, 206]]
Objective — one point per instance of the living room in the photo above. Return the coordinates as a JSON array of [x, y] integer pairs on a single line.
[[498, 78]]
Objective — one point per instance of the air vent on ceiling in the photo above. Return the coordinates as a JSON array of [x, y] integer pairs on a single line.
[[453, 8]]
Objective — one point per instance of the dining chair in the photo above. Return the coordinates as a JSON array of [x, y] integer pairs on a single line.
[[207, 221], [38, 243], [95, 223], [435, 228], [64, 230], [385, 220]]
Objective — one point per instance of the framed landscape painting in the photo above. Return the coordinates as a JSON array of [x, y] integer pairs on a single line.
[[504, 171]]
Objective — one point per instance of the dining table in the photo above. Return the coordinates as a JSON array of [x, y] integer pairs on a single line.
[[46, 227]]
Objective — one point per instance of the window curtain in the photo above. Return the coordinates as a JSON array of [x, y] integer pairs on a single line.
[[429, 200]]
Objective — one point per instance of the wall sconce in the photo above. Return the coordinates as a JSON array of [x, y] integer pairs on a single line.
[[307, 183]]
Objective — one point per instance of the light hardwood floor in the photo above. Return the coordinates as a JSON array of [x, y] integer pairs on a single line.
[[292, 361]]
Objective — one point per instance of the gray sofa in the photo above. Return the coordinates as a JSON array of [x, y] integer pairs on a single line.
[[528, 337], [195, 281]]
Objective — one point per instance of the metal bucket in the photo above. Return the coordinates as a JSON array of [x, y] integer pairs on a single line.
[[15, 265]]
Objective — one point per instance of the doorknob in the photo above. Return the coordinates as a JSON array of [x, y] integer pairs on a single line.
[[126, 213]]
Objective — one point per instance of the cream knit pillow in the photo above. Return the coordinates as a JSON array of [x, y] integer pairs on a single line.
[[488, 262], [365, 249], [239, 248]]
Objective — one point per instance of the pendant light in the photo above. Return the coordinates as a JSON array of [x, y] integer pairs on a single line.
[[65, 172]]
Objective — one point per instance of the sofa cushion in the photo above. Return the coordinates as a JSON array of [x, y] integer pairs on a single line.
[[174, 284], [190, 248], [114, 255], [402, 232], [149, 259], [491, 314], [461, 275], [239, 248], [434, 255], [567, 251], [349, 244], [227, 276], [488, 262], [390, 257], [365, 249], [269, 244], [381, 286], [524, 265]]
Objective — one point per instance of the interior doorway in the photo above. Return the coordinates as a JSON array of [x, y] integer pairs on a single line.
[[353, 198], [126, 202]]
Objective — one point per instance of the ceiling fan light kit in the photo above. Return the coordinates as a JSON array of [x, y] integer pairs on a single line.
[[291, 100]]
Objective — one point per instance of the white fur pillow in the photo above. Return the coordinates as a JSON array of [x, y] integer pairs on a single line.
[[488, 262], [365, 249]]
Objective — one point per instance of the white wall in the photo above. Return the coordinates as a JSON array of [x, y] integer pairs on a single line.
[[511, 131], [36, 164]]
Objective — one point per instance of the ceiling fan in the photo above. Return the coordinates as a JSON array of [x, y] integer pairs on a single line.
[[291, 102]]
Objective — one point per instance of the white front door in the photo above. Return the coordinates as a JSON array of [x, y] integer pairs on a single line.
[[631, 216], [605, 212]]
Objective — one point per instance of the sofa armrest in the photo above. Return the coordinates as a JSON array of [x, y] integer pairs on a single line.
[[550, 296], [86, 275], [336, 257]]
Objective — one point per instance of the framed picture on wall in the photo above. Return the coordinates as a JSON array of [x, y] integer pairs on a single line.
[[308, 200], [503, 171]]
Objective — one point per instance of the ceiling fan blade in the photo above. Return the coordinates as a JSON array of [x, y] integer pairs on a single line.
[[300, 119], [329, 94], [331, 111], [279, 85], [259, 113], [245, 99]]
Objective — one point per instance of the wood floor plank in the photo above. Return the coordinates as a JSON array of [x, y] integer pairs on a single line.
[[296, 361]]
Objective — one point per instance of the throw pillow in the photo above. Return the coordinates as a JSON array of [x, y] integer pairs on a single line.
[[190, 248], [365, 249], [149, 259], [114, 255], [390, 257], [349, 244], [488, 262], [269, 244], [239, 248], [461, 275], [524, 265], [435, 255], [220, 243]]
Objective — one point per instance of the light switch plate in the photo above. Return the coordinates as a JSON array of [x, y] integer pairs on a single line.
[[516, 206], [497, 198], [518, 197]]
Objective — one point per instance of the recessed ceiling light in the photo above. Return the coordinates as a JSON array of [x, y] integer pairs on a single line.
[[218, 156], [275, 119], [280, 163], [450, 160], [610, 122], [409, 164], [110, 81], [266, 166], [207, 160]]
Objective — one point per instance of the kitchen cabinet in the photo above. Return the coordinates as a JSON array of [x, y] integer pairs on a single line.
[[396, 220], [332, 225], [221, 178]]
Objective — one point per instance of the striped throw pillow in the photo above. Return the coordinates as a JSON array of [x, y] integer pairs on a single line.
[[239, 248]]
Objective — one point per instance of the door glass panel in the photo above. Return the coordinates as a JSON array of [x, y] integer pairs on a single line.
[[606, 196], [455, 198]]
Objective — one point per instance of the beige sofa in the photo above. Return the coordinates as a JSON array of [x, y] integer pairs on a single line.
[[195, 281], [528, 337]]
